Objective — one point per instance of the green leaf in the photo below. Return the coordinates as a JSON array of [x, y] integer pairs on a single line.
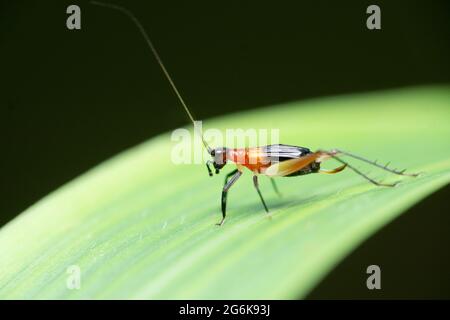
[[139, 226]]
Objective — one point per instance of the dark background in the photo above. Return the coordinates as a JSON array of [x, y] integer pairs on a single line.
[[71, 99]]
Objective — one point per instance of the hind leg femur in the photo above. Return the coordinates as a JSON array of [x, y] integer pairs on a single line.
[[333, 171]]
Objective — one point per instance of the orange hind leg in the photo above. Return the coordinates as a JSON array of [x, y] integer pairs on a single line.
[[333, 171]]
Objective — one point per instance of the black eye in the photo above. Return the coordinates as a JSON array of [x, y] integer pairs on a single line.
[[213, 152]]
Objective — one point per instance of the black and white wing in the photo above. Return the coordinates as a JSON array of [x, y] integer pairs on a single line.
[[282, 152]]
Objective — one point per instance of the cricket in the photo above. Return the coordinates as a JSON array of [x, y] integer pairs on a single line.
[[277, 160]]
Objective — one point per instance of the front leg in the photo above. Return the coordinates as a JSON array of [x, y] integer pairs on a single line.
[[235, 174], [229, 174]]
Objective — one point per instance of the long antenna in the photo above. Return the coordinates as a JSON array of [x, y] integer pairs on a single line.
[[158, 59]]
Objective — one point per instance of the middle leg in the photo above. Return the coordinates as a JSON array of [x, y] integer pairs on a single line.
[[255, 182], [274, 185]]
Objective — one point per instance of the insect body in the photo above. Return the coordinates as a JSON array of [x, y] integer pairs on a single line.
[[257, 159], [278, 160], [281, 160]]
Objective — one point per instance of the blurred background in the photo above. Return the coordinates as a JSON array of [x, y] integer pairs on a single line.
[[71, 99]]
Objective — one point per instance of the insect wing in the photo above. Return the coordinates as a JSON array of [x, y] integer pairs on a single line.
[[282, 152], [290, 166]]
